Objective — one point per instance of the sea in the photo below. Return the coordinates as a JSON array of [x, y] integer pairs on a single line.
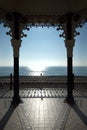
[[48, 71]]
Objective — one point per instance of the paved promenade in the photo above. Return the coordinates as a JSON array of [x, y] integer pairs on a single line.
[[43, 110]]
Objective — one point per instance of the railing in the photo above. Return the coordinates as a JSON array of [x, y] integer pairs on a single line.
[[58, 81], [43, 79]]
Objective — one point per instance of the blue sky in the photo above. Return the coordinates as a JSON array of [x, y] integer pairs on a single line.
[[43, 47]]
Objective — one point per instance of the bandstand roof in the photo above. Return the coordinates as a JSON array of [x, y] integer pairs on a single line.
[[43, 7]]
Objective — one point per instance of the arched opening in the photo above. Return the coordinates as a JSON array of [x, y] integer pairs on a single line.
[[43, 51], [6, 53], [80, 52]]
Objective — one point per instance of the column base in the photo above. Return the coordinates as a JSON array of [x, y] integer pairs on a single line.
[[16, 101], [69, 100]]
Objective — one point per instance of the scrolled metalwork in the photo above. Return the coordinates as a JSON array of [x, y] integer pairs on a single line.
[[9, 33], [23, 35], [62, 35], [76, 33]]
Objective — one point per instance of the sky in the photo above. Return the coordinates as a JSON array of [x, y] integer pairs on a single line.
[[43, 47]]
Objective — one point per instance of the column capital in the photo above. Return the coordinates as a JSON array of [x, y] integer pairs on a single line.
[[16, 45], [69, 44], [16, 42]]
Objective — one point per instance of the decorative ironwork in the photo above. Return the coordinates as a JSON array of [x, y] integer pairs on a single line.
[[5, 24], [76, 33], [28, 21], [23, 35], [63, 33], [82, 23], [9, 33], [80, 26]]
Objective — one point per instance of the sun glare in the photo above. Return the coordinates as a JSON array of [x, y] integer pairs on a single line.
[[38, 68]]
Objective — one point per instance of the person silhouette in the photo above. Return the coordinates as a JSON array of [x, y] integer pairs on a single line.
[[10, 81]]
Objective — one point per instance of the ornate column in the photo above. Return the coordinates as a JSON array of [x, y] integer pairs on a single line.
[[66, 24], [69, 46], [16, 22], [12, 20], [16, 45], [69, 43]]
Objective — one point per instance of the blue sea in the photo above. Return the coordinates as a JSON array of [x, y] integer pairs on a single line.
[[48, 71]]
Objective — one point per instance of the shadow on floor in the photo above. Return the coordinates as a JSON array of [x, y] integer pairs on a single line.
[[7, 116], [81, 115]]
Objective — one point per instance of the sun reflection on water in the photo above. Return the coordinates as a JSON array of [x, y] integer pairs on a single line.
[[37, 70]]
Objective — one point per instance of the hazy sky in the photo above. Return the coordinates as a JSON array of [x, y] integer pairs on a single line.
[[43, 47]]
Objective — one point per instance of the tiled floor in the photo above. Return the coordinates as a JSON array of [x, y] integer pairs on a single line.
[[38, 114], [47, 113], [44, 93]]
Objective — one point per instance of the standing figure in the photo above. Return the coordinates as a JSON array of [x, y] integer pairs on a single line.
[[10, 81]]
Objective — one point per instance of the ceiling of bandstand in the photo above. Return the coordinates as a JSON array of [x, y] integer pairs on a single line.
[[43, 7]]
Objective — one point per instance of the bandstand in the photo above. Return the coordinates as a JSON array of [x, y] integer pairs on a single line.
[[65, 15]]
